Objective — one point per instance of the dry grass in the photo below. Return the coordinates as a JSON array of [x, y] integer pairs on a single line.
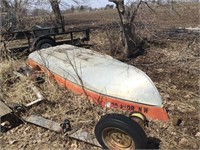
[[172, 63], [176, 15], [61, 104], [12, 88], [174, 70]]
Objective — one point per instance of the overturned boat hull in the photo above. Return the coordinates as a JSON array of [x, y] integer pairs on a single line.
[[105, 80]]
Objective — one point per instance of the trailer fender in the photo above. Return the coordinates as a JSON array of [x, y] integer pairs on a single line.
[[42, 42]]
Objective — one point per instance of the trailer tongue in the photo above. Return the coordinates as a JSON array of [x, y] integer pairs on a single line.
[[103, 79]]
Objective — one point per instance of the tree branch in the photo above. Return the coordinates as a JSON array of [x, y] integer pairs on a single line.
[[149, 7], [135, 11]]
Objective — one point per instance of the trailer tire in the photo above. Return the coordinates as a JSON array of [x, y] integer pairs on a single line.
[[44, 43], [116, 131]]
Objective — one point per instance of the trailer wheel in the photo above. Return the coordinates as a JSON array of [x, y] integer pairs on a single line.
[[116, 131], [44, 43]]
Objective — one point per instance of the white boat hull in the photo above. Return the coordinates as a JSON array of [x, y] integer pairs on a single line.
[[104, 79]]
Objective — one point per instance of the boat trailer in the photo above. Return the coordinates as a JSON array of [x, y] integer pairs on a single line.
[[112, 129]]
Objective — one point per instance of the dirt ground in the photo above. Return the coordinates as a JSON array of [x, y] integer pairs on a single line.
[[170, 59]]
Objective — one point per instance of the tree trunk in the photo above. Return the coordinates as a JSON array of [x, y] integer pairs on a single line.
[[130, 39], [130, 45], [18, 7], [57, 13], [129, 35]]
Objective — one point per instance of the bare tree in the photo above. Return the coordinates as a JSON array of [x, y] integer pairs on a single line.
[[56, 10], [20, 11], [5, 5], [16, 10], [127, 17]]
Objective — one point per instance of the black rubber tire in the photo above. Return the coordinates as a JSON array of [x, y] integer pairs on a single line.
[[44, 41], [123, 123]]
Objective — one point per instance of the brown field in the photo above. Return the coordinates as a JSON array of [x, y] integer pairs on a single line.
[[170, 59]]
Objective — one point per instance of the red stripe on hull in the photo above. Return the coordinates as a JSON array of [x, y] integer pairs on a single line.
[[153, 112]]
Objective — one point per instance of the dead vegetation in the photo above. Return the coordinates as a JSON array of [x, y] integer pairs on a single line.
[[60, 104], [172, 62]]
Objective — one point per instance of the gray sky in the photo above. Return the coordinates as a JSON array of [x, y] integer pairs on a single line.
[[98, 3], [91, 3], [68, 3]]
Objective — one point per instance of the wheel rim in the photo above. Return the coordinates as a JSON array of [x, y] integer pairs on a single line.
[[117, 139], [46, 45]]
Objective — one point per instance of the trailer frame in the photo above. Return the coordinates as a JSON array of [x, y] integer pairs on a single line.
[[45, 35]]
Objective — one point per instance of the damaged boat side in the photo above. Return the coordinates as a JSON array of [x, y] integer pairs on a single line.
[[102, 78]]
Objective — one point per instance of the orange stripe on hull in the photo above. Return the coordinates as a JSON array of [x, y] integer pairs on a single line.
[[153, 112]]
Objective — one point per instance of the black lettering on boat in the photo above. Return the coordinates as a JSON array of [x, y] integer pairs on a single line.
[[146, 110], [123, 106], [140, 109], [132, 108], [114, 105]]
